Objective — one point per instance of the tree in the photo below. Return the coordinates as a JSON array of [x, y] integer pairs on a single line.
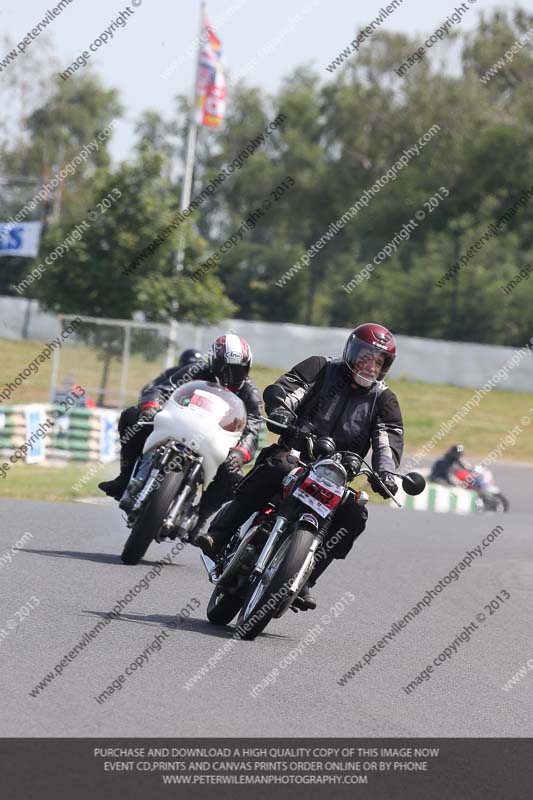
[[339, 138], [70, 128], [89, 279]]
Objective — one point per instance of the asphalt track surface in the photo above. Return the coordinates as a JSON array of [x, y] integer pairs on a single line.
[[72, 566]]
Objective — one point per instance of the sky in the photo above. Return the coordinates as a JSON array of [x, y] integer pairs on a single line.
[[152, 58]]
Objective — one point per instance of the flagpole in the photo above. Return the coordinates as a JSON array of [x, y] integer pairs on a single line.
[[186, 188]]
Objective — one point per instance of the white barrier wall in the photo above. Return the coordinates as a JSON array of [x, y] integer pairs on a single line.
[[442, 499], [18, 312], [282, 345]]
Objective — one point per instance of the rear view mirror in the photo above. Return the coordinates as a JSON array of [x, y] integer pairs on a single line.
[[413, 483]]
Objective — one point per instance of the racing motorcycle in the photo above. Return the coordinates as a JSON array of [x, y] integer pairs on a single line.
[[481, 480], [192, 436], [269, 559]]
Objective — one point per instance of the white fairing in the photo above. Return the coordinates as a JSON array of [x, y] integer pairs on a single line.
[[201, 424]]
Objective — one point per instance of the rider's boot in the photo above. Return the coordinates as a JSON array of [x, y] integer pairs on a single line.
[[214, 537], [131, 448], [305, 600], [205, 515], [116, 487]]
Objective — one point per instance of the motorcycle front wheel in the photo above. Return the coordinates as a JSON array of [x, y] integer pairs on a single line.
[[499, 502], [222, 606], [268, 592], [148, 523]]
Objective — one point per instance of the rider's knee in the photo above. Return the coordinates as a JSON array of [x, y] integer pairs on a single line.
[[128, 419], [344, 543], [280, 461], [349, 528]]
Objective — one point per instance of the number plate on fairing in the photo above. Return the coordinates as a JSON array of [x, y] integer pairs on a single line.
[[321, 495]]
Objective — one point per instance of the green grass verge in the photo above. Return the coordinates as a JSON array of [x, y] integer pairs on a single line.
[[37, 482], [425, 407]]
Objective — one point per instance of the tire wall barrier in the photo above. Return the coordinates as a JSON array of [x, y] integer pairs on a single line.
[[79, 435], [40, 433], [438, 498]]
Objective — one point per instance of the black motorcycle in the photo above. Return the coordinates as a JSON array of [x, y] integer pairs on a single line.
[[269, 559]]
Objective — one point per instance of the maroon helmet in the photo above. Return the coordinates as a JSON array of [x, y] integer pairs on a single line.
[[230, 358], [369, 353]]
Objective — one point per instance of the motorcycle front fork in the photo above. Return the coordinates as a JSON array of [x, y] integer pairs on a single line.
[[264, 556], [188, 488], [267, 552], [138, 478]]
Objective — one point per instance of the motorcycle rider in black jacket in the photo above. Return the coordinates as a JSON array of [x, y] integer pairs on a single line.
[[228, 363], [444, 467], [345, 399], [187, 359]]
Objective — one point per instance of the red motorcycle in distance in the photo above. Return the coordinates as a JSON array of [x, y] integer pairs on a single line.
[[481, 480]]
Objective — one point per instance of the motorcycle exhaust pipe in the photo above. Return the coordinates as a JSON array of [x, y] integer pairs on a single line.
[[247, 533]]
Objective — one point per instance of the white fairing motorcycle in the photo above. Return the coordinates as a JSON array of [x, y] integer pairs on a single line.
[[192, 436]]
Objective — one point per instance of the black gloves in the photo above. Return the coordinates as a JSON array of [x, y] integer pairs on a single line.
[[281, 415], [389, 482], [234, 461]]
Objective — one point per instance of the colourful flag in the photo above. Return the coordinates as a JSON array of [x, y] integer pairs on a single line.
[[211, 89]]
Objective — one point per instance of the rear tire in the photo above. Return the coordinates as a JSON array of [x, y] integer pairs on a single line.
[[151, 518], [222, 606], [283, 568]]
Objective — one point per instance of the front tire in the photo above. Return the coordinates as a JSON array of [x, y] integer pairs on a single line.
[[502, 503], [222, 606], [149, 522], [269, 592]]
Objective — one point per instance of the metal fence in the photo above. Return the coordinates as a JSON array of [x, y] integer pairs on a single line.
[[281, 345], [111, 359]]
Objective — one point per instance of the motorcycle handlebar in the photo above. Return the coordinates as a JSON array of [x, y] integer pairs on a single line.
[[412, 482], [305, 429]]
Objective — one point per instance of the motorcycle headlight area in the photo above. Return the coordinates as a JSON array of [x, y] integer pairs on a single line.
[[331, 471]]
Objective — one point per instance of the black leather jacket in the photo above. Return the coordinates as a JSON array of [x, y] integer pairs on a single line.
[[443, 468], [320, 390], [162, 387]]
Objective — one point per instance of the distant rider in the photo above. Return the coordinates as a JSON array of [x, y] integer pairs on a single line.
[[187, 359], [444, 467]]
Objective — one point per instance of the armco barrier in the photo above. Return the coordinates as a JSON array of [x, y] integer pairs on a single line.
[[443, 499], [82, 434]]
